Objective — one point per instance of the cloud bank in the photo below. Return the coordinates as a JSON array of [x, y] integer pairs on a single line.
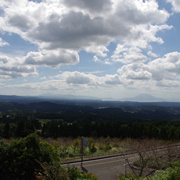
[[61, 29]]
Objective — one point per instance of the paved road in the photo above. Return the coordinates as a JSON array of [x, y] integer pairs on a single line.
[[109, 168], [105, 169]]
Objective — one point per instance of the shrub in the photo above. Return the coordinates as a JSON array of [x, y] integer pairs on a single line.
[[56, 171], [92, 148], [107, 146], [22, 159], [171, 173], [127, 177]]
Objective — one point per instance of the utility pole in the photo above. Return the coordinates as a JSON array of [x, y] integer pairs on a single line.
[[82, 152]]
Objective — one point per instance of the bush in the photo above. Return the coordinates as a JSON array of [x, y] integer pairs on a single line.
[[127, 177], [171, 173], [22, 159], [56, 171], [29, 157], [107, 147], [92, 148]]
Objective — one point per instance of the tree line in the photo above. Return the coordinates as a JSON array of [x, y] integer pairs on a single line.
[[168, 130], [121, 129]]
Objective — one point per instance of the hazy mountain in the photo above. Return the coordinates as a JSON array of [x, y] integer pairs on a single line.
[[67, 97], [144, 98], [49, 98]]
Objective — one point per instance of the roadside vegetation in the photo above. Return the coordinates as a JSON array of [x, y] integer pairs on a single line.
[[34, 157], [34, 144], [30, 158], [170, 173], [153, 162]]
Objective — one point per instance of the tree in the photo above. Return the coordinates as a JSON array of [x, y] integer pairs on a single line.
[[6, 133], [22, 159]]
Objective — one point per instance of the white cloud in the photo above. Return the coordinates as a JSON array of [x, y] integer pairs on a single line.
[[92, 6], [96, 59], [3, 43], [140, 12], [112, 80], [175, 4], [20, 21], [99, 50], [168, 84], [150, 53], [73, 31], [165, 68], [128, 55], [52, 58], [77, 78], [131, 50], [62, 28], [135, 72], [54, 24], [12, 68]]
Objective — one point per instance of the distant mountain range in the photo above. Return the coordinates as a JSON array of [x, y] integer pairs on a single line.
[[52, 104], [50, 98], [54, 98], [143, 98], [67, 97]]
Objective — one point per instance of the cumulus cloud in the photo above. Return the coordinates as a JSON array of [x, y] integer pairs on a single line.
[[165, 68], [135, 72], [52, 58], [20, 21], [13, 68], [3, 43], [140, 12], [112, 80], [54, 24], [168, 84], [78, 78], [131, 50], [92, 6], [74, 30], [62, 28], [128, 55], [99, 50], [175, 5], [89, 79]]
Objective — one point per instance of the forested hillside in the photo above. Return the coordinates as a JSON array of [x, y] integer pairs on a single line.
[[91, 118]]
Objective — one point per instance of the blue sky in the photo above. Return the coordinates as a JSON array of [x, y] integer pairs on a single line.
[[110, 49]]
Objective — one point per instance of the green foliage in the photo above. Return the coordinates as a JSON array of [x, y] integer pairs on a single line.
[[22, 159], [127, 177], [57, 172], [48, 153], [76, 146], [143, 163], [171, 173], [27, 157], [92, 148], [74, 173], [107, 146], [115, 145], [6, 133], [114, 123]]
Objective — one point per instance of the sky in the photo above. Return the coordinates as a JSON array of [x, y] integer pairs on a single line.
[[109, 49]]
